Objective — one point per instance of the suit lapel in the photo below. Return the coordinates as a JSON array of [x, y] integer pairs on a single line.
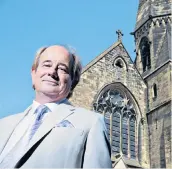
[[10, 129], [61, 112]]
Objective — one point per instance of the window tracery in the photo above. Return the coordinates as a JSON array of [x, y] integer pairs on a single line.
[[120, 119]]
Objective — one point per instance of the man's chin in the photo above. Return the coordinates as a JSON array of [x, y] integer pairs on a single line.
[[51, 92]]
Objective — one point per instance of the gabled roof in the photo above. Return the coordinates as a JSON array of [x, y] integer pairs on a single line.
[[124, 163], [100, 56], [94, 61]]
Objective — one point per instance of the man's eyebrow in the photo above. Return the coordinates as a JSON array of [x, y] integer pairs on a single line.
[[46, 61], [62, 64]]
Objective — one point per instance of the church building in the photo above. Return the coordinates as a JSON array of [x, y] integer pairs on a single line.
[[135, 97]]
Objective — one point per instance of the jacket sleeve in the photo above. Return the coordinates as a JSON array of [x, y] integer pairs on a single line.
[[97, 148]]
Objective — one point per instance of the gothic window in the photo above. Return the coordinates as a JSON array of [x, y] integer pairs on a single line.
[[120, 67], [120, 119], [145, 53], [119, 63]]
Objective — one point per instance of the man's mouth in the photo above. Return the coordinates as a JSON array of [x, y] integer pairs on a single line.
[[51, 82]]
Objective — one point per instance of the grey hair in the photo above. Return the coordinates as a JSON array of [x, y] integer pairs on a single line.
[[75, 64]]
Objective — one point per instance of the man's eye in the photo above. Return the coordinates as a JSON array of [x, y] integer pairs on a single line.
[[62, 69], [47, 65]]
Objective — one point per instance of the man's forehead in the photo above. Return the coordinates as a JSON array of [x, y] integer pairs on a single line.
[[56, 52]]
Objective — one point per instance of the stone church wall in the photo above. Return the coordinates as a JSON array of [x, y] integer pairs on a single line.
[[159, 118], [100, 72], [162, 79], [159, 122]]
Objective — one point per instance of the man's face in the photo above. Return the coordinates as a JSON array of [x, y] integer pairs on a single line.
[[52, 76]]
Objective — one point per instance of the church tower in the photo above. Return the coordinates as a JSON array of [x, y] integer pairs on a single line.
[[153, 60]]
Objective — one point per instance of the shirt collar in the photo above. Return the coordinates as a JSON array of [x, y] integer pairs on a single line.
[[51, 105]]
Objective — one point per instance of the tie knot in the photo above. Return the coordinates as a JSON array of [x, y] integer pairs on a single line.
[[40, 111]]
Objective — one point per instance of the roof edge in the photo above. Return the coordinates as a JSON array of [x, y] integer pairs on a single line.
[[94, 61]]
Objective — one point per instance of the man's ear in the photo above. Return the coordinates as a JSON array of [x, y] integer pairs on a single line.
[[33, 76]]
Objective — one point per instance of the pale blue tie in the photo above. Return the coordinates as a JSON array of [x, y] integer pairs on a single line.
[[40, 112]]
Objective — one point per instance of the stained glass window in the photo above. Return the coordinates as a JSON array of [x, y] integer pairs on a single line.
[[120, 120]]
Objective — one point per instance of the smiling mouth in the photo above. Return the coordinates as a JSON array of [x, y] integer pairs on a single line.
[[51, 82]]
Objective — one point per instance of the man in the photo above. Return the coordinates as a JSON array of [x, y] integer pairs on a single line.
[[52, 132]]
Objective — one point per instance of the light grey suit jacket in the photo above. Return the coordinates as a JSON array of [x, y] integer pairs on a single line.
[[83, 146]]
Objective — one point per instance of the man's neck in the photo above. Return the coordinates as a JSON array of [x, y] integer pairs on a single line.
[[43, 98]]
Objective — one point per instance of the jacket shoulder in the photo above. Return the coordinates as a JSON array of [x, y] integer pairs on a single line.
[[10, 121], [11, 117]]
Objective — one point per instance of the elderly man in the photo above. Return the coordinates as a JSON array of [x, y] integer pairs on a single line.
[[51, 132]]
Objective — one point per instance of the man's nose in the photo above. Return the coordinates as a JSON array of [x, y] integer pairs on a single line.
[[53, 73], [52, 70]]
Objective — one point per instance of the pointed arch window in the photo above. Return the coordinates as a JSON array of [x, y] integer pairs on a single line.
[[145, 53], [120, 63], [120, 119]]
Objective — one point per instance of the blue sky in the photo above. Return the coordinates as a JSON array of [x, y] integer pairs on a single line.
[[88, 25]]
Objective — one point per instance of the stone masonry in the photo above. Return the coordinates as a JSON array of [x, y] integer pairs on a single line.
[[101, 72]]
